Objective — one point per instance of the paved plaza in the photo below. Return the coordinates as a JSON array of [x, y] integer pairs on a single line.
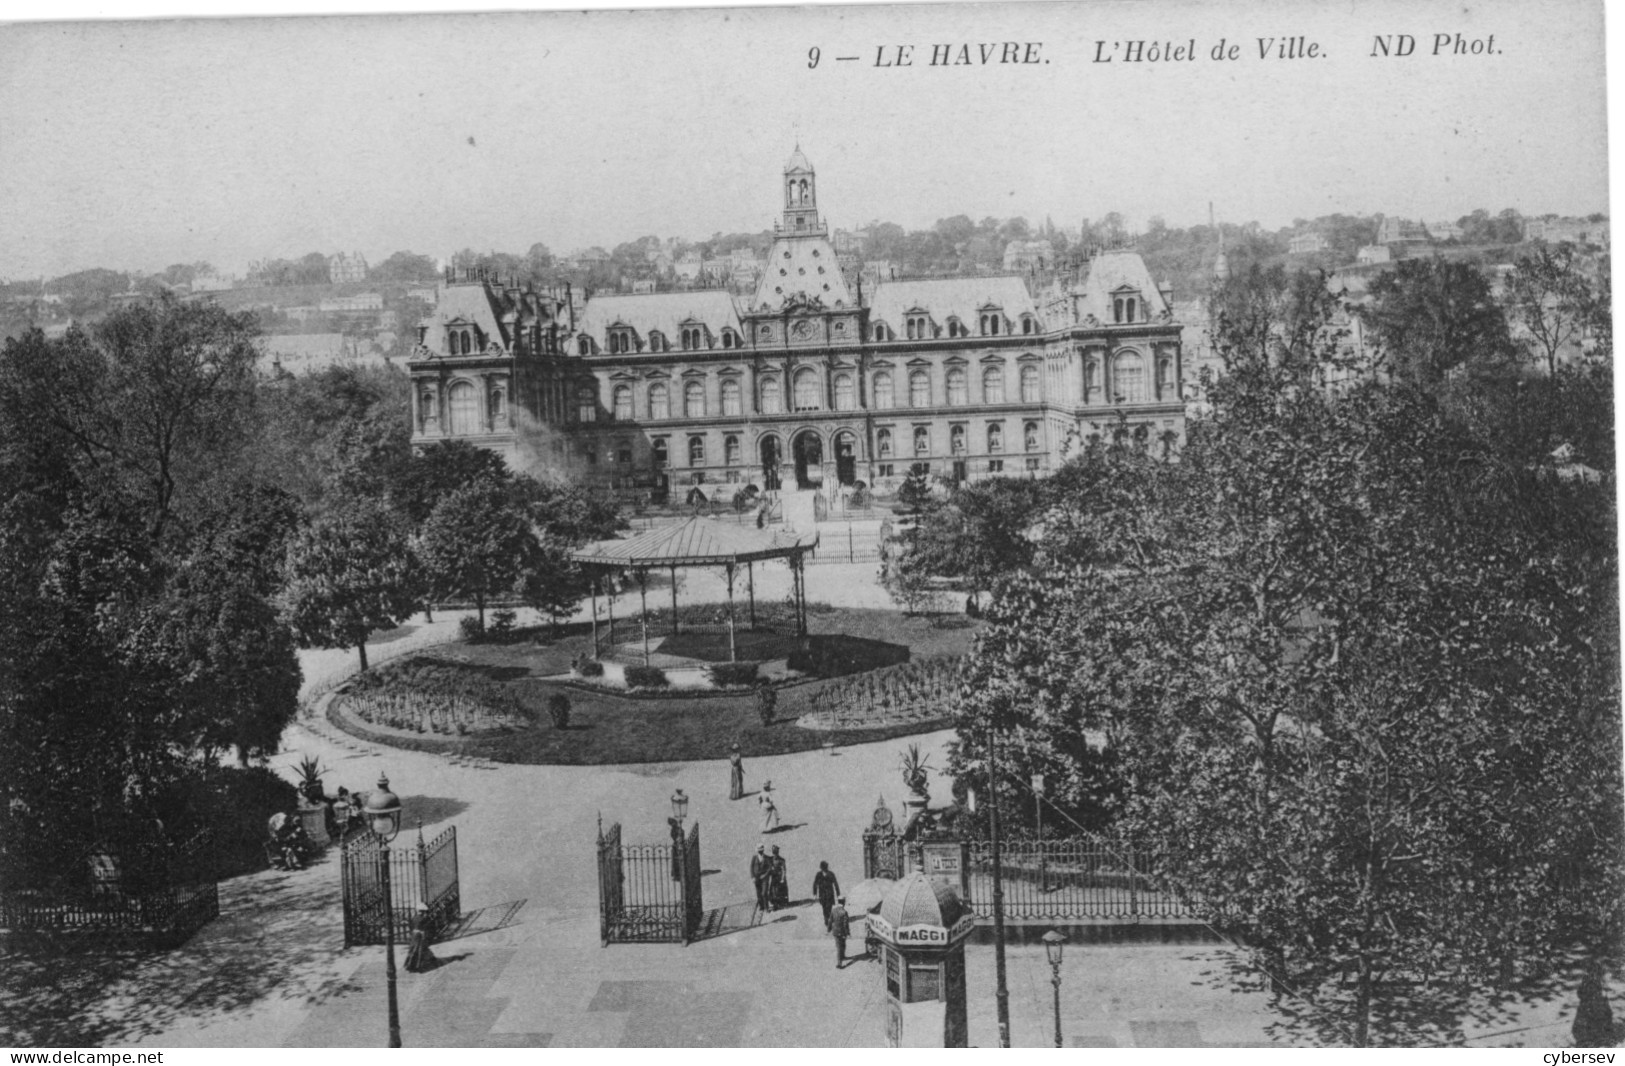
[[527, 968]]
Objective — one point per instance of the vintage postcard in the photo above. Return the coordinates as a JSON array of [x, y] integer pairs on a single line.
[[1080, 524]]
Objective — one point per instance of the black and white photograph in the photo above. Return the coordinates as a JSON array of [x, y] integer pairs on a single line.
[[1084, 524]]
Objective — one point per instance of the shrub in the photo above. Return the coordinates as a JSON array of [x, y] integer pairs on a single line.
[[426, 695], [835, 655], [644, 677], [502, 623], [469, 628], [558, 709], [767, 700], [732, 675], [234, 804], [586, 667]]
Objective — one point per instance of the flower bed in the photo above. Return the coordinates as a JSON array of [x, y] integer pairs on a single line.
[[426, 695], [916, 692]]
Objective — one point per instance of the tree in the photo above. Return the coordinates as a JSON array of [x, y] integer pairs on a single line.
[[1548, 297], [349, 573], [441, 469], [979, 533], [407, 267], [1351, 698], [1433, 316], [477, 543], [915, 491]]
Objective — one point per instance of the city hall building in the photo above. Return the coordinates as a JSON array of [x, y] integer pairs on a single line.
[[807, 383]]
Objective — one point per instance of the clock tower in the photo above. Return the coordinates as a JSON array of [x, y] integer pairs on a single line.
[[800, 196]]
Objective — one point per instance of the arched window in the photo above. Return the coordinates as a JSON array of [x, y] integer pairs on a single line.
[[919, 389], [957, 391], [922, 441], [499, 405], [883, 443], [880, 331], [956, 440], [696, 451], [730, 397], [1029, 436], [1028, 325], [806, 382], [1090, 377], [585, 345], [993, 385], [844, 398], [623, 403], [1029, 384], [730, 450], [1165, 376], [1128, 377], [659, 401], [770, 396], [990, 324], [957, 328], [693, 400], [426, 406], [995, 438], [586, 404], [657, 452], [464, 409], [730, 339], [883, 393]]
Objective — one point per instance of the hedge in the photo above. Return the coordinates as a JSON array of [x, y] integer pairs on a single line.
[[732, 675], [646, 677]]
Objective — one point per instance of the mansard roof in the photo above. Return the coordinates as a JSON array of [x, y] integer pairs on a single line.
[[1112, 272], [961, 298], [495, 312], [666, 312], [792, 269]]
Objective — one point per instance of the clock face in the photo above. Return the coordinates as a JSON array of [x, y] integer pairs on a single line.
[[883, 817], [802, 329], [766, 332]]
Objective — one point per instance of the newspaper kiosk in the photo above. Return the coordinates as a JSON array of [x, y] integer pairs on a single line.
[[921, 926]]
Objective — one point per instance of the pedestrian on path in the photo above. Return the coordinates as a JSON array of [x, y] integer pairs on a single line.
[[419, 959], [770, 812], [841, 925], [736, 775], [825, 889], [758, 876], [778, 880]]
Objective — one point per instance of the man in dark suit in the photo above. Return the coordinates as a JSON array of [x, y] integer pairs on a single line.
[[825, 888], [758, 875]]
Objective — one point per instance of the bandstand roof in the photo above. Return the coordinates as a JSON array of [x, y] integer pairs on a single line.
[[696, 542]]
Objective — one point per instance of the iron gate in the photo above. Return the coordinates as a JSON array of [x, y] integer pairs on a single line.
[[883, 854], [1081, 878], [649, 893], [423, 880]]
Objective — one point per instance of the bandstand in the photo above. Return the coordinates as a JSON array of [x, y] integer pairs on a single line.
[[699, 542]]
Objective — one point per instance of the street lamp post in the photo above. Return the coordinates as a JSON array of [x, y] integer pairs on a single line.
[[384, 816], [1001, 993], [679, 805], [679, 811], [1054, 943], [1038, 815]]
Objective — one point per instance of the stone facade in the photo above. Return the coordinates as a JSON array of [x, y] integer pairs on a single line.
[[801, 384]]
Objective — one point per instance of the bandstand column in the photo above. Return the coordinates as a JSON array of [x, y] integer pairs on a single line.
[[594, 586], [643, 617], [609, 606], [733, 655], [674, 599], [750, 581]]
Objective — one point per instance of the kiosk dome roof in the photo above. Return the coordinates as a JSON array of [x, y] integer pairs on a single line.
[[918, 900]]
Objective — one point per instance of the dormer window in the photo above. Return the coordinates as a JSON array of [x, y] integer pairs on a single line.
[[957, 328], [918, 327], [585, 345], [1029, 324], [658, 342], [990, 323], [693, 338], [622, 341], [460, 340], [880, 331], [1125, 307], [730, 339]]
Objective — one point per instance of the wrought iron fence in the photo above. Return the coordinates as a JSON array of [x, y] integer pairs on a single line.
[[649, 893], [167, 894], [423, 883], [1082, 878]]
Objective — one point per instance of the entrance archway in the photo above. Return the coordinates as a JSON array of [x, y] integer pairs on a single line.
[[808, 451], [846, 457], [770, 456]]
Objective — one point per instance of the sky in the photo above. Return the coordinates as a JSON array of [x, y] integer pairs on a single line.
[[133, 145]]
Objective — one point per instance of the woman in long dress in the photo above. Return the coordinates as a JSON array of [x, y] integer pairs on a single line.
[[736, 775]]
